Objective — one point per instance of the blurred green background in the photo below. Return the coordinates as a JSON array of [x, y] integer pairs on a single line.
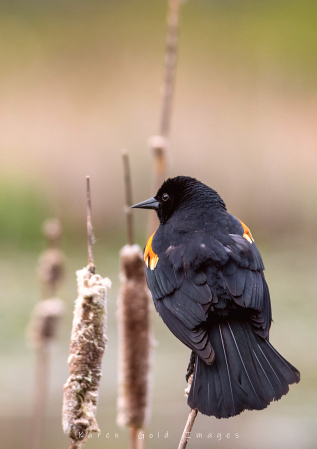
[[79, 81]]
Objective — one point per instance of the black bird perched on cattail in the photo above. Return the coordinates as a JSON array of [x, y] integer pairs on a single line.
[[206, 277]]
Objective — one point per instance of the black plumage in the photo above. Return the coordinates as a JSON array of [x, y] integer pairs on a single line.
[[206, 277]]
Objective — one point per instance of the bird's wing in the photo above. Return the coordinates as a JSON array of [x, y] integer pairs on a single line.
[[187, 281], [244, 278], [182, 298]]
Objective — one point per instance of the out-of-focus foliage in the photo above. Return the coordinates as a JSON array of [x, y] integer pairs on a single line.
[[23, 208], [80, 80]]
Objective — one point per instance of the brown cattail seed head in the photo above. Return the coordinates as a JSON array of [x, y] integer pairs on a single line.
[[45, 320], [87, 346], [135, 340], [51, 270]]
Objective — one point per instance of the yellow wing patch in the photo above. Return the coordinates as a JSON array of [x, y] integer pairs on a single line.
[[247, 233], [150, 258]]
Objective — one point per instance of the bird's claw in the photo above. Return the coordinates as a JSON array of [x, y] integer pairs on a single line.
[[191, 366]]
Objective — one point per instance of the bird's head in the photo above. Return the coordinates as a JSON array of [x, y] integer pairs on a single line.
[[181, 193]]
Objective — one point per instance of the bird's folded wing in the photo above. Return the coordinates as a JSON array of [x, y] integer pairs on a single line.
[[244, 278], [196, 338], [183, 303], [182, 289]]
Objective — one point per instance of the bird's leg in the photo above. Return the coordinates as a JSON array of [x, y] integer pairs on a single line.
[[191, 366]]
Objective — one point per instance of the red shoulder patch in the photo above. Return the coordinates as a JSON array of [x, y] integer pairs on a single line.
[[247, 233], [150, 258]]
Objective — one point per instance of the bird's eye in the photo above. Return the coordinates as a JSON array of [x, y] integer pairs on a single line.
[[165, 196]]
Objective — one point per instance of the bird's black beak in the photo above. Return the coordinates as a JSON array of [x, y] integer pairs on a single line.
[[151, 203]]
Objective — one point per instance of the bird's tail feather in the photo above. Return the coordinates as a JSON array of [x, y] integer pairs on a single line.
[[247, 374]]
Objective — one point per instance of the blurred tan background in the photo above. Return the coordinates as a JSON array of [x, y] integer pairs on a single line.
[[79, 81]]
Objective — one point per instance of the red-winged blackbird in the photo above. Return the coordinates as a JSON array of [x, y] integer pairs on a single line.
[[206, 277]]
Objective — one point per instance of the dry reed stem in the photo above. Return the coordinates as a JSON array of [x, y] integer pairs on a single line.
[[188, 428], [191, 418], [128, 196], [72, 445], [90, 235], [134, 441], [135, 341], [134, 330], [42, 330], [87, 346], [40, 397], [159, 144], [170, 65], [44, 323]]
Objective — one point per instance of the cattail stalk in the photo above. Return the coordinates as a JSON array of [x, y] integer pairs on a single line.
[[90, 235], [87, 346], [44, 324], [135, 343], [128, 196], [51, 267], [170, 65], [188, 427], [159, 144], [191, 418], [135, 334]]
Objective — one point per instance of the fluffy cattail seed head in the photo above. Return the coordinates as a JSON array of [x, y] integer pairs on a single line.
[[87, 346], [135, 340], [51, 270], [51, 266], [45, 320]]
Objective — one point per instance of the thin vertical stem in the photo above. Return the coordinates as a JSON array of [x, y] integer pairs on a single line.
[[72, 445], [170, 66], [188, 428], [41, 393], [159, 144], [128, 196], [134, 441], [43, 327], [89, 228]]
